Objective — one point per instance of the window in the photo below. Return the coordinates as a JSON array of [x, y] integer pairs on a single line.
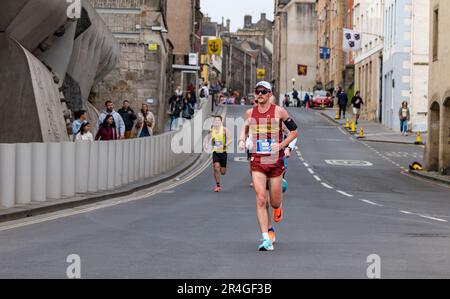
[[435, 34]]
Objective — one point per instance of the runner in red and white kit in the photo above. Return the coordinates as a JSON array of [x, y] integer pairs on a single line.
[[264, 123]]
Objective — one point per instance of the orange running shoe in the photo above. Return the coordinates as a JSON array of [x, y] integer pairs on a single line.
[[272, 236], [218, 189], [278, 215]]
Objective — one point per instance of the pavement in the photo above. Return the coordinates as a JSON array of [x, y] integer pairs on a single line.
[[347, 202], [376, 132]]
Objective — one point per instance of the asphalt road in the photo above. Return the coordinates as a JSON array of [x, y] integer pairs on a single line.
[[335, 217]]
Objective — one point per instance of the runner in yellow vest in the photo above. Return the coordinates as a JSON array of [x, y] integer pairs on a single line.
[[220, 142]]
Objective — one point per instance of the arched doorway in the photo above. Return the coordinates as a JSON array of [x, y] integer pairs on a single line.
[[445, 157], [434, 138]]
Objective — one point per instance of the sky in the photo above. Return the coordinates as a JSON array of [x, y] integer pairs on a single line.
[[235, 10]]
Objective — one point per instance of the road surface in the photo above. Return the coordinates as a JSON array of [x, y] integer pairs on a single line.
[[337, 214]]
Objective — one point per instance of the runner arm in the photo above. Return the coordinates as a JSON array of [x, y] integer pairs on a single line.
[[245, 129], [293, 134]]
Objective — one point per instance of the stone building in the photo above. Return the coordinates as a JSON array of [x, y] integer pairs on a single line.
[[211, 65], [49, 64], [333, 73], [294, 43], [184, 20], [144, 73], [437, 153], [368, 19]]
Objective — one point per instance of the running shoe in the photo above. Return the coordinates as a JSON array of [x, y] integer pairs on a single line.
[[272, 236], [266, 245], [278, 215], [218, 189]]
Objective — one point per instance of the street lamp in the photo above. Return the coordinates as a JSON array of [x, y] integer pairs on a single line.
[[293, 82]]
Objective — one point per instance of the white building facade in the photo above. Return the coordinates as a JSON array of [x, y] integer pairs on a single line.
[[405, 62]]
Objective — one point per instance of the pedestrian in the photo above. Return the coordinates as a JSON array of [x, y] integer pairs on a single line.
[[128, 116], [109, 110], [108, 130], [307, 99], [204, 93], [145, 123], [287, 100], [174, 110], [405, 116], [178, 91], [342, 102], [295, 96], [357, 101], [80, 118], [187, 110], [84, 133], [190, 100]]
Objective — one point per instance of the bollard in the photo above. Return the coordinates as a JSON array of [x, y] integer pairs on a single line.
[[54, 168], [93, 182], [361, 134], [23, 173], [68, 169], [418, 139], [347, 124], [39, 172], [353, 129], [7, 175], [338, 116]]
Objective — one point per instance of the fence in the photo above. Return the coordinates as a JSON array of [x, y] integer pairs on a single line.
[[37, 172]]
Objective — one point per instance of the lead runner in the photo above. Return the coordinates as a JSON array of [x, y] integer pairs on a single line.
[[265, 122]]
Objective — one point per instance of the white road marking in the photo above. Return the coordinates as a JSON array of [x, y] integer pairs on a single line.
[[406, 212], [433, 218], [306, 164], [310, 171], [317, 178], [344, 193], [371, 203], [327, 186]]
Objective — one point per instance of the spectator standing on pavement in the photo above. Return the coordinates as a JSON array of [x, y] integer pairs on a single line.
[[187, 109], [307, 99], [145, 123], [295, 97], [287, 100], [357, 101], [118, 121], [108, 130], [405, 116], [80, 118], [84, 133], [128, 117], [342, 102], [204, 93], [178, 91], [175, 109]]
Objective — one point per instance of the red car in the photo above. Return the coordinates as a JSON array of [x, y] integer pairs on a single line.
[[322, 97]]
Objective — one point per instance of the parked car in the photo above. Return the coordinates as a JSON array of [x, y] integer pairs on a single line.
[[322, 97]]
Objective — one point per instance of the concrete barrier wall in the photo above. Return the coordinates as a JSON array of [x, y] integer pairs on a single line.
[[38, 172]]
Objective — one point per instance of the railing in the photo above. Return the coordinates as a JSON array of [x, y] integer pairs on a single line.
[[38, 172]]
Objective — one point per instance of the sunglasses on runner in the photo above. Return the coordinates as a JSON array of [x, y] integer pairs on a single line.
[[261, 91]]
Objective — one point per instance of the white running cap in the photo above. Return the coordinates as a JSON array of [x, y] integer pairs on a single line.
[[264, 84]]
